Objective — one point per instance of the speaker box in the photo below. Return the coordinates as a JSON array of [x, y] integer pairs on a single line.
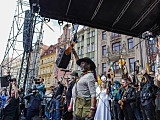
[[4, 81], [63, 59]]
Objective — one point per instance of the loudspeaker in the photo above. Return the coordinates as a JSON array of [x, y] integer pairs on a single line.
[[63, 59], [4, 81]]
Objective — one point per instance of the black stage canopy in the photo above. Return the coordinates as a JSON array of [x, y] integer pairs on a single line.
[[130, 17]]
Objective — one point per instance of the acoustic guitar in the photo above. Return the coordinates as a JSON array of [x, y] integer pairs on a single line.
[[121, 104], [65, 54], [73, 41]]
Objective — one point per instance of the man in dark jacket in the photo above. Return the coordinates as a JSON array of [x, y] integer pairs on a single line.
[[147, 97], [10, 111], [34, 104], [66, 113], [128, 96]]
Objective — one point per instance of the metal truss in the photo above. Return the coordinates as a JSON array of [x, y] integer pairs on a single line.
[[20, 64]]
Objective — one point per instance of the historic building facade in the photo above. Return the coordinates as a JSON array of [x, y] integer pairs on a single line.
[[47, 65], [106, 48], [63, 42], [114, 46], [87, 45]]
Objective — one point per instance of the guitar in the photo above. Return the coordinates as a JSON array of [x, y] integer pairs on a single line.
[[65, 54], [112, 76], [74, 40], [123, 98], [121, 104]]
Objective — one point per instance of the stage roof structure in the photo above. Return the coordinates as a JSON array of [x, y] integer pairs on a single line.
[[130, 17]]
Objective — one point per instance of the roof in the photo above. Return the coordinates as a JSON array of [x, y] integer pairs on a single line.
[[51, 49], [44, 48], [130, 17]]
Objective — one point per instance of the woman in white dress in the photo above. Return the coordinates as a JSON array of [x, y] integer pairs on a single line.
[[103, 107]]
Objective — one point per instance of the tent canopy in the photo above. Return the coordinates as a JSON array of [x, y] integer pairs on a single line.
[[130, 17]]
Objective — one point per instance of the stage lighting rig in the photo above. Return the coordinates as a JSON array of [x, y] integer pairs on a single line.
[[148, 35], [47, 20], [60, 22]]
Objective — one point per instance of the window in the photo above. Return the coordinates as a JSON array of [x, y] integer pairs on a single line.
[[104, 50], [92, 58], [115, 35], [131, 64], [130, 43], [51, 70], [104, 36], [104, 68], [82, 50], [79, 39], [48, 80], [88, 47], [93, 33], [116, 46], [116, 68], [88, 34], [82, 37], [79, 51], [92, 46]]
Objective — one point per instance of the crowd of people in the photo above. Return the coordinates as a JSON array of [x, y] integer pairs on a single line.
[[83, 97]]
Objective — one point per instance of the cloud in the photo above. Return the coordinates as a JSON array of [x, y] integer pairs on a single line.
[[7, 8], [52, 32]]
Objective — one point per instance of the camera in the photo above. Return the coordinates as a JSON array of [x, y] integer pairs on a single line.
[[34, 91], [37, 81]]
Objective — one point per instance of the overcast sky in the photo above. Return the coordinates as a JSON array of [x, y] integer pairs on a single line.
[[7, 12]]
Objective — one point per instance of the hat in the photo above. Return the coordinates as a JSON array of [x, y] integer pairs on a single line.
[[74, 74], [88, 60]]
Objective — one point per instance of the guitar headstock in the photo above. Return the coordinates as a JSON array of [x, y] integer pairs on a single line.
[[74, 30]]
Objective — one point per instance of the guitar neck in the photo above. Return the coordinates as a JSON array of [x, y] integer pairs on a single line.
[[69, 49]]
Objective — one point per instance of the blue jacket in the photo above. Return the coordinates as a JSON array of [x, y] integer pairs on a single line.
[[41, 87], [3, 99]]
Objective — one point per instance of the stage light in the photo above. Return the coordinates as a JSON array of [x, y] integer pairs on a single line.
[[36, 14], [47, 20], [151, 38], [60, 22], [148, 35]]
